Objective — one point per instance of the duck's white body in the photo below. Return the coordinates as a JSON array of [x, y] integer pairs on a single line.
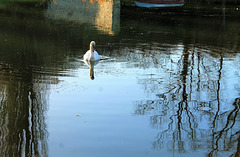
[[91, 54]]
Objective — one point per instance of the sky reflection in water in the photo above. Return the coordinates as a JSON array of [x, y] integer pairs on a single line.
[[169, 87]]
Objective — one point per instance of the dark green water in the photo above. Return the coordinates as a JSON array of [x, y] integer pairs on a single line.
[[167, 86]]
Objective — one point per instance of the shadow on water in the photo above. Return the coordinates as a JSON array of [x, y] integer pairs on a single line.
[[194, 84]]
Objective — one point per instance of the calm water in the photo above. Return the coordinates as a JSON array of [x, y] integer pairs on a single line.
[[167, 86]]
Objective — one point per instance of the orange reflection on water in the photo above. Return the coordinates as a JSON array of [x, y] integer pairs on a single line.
[[98, 1], [95, 1]]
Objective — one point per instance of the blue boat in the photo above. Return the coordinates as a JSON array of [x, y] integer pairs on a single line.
[[159, 3]]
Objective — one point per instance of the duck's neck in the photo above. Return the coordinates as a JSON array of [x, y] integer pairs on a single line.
[[91, 50]]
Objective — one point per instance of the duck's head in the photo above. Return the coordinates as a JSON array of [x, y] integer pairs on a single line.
[[92, 44]]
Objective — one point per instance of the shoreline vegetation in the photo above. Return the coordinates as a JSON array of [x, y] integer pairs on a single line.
[[191, 7]]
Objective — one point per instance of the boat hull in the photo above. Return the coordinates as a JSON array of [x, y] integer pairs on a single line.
[[158, 3]]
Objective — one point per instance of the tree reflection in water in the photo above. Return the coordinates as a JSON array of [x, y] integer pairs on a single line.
[[27, 69], [23, 105], [193, 107]]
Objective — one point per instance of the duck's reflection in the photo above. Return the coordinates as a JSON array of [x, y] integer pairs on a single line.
[[91, 65]]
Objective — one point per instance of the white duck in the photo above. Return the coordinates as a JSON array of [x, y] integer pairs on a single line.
[[91, 54]]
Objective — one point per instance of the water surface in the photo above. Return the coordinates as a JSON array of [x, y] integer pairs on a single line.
[[168, 86]]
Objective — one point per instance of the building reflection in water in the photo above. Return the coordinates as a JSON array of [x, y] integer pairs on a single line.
[[103, 15], [196, 104]]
